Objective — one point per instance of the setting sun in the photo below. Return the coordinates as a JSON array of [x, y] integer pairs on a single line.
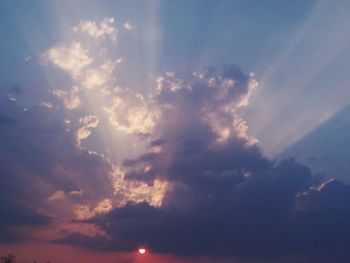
[[142, 251]]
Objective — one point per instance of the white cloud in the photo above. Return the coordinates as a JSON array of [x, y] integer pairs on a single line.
[[76, 193], [70, 99], [28, 59], [135, 191], [11, 98], [71, 58], [46, 104], [128, 112], [98, 30], [87, 123], [128, 26], [104, 206], [100, 75], [124, 109], [58, 195], [83, 212], [218, 98]]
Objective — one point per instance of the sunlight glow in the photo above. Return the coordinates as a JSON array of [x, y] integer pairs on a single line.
[[104, 112], [142, 251]]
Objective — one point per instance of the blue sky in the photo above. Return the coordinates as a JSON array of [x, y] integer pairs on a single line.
[[187, 35], [284, 44], [116, 111]]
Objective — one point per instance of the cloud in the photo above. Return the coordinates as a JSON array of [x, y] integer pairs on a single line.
[[93, 75], [44, 174], [16, 212], [28, 59], [49, 105], [222, 196], [71, 58], [126, 191], [129, 112], [71, 99], [87, 123], [128, 26], [60, 229], [16, 216], [330, 196], [104, 206], [84, 212], [58, 195], [103, 29], [200, 185], [99, 76], [114, 107], [44, 169]]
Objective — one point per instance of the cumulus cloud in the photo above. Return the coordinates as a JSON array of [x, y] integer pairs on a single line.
[[222, 196], [201, 186], [103, 29], [46, 104], [126, 191], [71, 58], [128, 26], [71, 99], [95, 77], [330, 196], [129, 112], [42, 169], [17, 211], [104, 206], [84, 212], [86, 124], [58, 195]]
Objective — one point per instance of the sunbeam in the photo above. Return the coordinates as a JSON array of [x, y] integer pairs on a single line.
[[297, 90]]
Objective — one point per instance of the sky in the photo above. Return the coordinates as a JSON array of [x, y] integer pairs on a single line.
[[201, 131]]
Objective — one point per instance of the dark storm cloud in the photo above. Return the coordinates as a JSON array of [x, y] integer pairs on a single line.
[[226, 198], [13, 213], [224, 214], [231, 215], [39, 157]]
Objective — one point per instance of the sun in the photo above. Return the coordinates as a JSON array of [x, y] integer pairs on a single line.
[[142, 250]]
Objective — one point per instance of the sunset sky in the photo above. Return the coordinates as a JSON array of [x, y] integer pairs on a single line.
[[175, 131]]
